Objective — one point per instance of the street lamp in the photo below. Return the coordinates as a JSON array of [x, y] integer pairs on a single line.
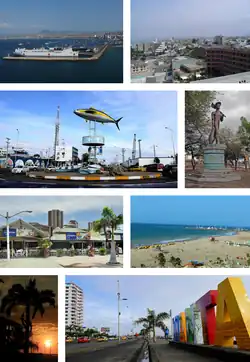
[[7, 217], [172, 137], [154, 147], [17, 144], [119, 299], [7, 149]]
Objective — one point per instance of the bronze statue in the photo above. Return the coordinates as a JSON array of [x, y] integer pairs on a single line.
[[216, 116]]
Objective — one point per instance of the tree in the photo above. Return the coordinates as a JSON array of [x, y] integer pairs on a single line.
[[197, 121], [161, 260], [152, 321], [233, 144], [85, 158], [32, 300], [157, 160], [112, 221], [100, 225]]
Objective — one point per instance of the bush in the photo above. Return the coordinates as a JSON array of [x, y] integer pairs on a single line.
[[102, 251], [59, 252]]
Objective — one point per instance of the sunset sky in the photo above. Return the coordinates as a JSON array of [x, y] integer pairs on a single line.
[[44, 328]]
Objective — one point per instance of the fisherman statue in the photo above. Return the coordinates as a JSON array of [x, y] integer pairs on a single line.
[[216, 116]]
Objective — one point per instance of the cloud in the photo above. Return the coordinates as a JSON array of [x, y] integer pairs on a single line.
[[69, 204], [145, 113], [4, 25]]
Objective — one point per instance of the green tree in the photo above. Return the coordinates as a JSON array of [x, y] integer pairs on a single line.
[[152, 321], [244, 132], [32, 300], [112, 221], [197, 121], [161, 260], [233, 145], [85, 158]]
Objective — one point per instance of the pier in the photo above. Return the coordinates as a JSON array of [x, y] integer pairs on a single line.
[[95, 56]]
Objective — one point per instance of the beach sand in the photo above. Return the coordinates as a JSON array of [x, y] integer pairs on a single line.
[[201, 249]]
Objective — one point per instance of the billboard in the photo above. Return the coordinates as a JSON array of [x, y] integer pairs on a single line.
[[12, 232], [105, 330], [74, 236]]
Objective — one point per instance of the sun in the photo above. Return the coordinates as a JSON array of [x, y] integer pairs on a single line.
[[48, 343]]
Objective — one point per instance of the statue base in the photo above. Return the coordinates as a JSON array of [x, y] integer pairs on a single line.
[[214, 166]]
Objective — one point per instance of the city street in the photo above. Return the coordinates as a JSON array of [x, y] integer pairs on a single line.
[[102, 351]]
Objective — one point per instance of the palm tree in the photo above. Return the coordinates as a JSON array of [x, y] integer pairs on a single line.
[[153, 320], [112, 221], [100, 225], [32, 300]]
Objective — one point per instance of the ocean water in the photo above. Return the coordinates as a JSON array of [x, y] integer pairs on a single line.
[[108, 69], [147, 234]]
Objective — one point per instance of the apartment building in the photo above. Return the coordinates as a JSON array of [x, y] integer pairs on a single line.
[[73, 305]]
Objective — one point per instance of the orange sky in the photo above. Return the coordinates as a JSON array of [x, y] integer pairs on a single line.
[[44, 328]]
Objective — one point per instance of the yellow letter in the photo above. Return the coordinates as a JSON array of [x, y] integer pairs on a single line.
[[233, 314]]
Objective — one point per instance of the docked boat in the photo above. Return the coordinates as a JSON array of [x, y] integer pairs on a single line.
[[46, 52]]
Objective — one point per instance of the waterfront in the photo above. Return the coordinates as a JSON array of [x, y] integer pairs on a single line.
[[107, 69], [148, 234]]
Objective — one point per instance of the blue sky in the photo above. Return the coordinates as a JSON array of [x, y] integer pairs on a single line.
[[191, 210], [152, 19], [166, 292], [144, 113], [80, 208], [31, 16]]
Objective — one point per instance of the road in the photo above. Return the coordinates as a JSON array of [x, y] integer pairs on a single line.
[[102, 351], [166, 353], [8, 180]]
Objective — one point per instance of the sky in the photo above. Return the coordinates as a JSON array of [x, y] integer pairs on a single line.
[[191, 210], [60, 15], [166, 293], [161, 19], [145, 113], [46, 327], [234, 105], [83, 209]]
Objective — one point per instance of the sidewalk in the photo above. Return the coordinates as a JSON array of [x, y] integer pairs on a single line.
[[80, 261], [162, 352]]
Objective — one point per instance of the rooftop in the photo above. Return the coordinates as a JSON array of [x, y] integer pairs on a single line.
[[233, 78]]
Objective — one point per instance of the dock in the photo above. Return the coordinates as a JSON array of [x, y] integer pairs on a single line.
[[96, 56]]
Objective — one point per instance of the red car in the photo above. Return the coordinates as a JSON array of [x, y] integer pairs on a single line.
[[83, 340]]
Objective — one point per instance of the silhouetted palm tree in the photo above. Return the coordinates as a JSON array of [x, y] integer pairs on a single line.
[[32, 300], [153, 320]]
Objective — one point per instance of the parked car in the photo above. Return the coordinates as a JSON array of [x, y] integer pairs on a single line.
[[155, 167], [83, 340], [170, 171], [20, 169], [69, 339]]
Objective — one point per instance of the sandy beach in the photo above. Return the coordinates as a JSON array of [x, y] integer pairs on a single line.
[[202, 250]]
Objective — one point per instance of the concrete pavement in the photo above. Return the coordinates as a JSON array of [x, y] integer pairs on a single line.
[[161, 351], [108, 352], [79, 261]]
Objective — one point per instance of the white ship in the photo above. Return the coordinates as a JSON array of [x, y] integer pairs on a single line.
[[46, 52]]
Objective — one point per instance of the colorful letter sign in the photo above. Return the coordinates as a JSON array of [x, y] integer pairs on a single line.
[[202, 324], [233, 314]]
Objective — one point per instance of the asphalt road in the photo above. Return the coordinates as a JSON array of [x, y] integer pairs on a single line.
[[165, 353], [103, 352], [9, 180]]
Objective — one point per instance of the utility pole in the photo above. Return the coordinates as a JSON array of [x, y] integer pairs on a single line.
[[154, 146], [172, 138], [7, 150], [118, 305], [139, 143]]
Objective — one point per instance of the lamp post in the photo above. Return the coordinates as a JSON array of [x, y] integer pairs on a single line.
[[7, 149], [172, 137], [17, 140], [7, 217], [154, 147], [119, 299]]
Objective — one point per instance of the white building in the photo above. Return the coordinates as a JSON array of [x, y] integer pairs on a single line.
[[73, 305], [66, 154]]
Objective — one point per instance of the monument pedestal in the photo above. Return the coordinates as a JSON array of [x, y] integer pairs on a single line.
[[214, 166]]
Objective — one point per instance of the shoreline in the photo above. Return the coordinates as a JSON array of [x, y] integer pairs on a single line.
[[224, 251], [165, 242]]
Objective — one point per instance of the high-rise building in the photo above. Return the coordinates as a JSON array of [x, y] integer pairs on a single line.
[[73, 305], [55, 219]]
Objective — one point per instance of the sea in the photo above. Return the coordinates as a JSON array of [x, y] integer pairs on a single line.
[[107, 69], [148, 234]]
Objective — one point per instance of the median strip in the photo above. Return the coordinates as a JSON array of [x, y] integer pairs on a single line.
[[97, 178]]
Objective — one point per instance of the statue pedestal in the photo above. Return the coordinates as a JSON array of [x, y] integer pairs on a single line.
[[214, 166]]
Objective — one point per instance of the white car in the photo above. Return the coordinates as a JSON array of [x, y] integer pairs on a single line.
[[20, 169]]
